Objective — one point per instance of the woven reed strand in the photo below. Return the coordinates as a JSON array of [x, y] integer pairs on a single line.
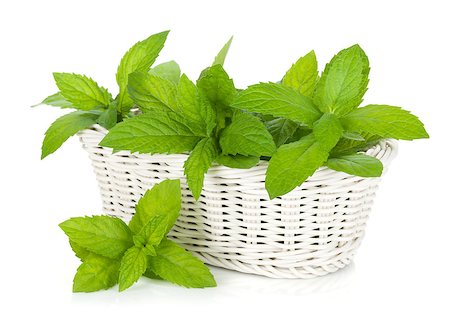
[[312, 231]]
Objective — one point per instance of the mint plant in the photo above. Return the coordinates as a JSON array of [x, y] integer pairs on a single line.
[[322, 120], [113, 252], [298, 124], [93, 103], [195, 118]]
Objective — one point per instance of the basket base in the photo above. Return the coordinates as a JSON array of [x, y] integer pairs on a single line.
[[235, 262]]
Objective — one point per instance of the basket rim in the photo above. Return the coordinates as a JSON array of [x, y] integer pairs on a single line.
[[385, 150]]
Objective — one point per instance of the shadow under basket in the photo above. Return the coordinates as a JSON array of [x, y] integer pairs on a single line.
[[311, 231]]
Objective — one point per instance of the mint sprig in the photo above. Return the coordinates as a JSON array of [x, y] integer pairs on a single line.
[[297, 124], [340, 128], [82, 93], [190, 117], [114, 253]]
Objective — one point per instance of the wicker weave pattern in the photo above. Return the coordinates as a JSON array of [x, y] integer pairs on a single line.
[[312, 231]]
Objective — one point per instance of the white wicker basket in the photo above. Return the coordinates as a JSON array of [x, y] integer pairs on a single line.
[[312, 231]]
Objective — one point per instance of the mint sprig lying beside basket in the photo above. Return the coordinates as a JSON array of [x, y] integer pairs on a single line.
[[113, 252], [297, 125]]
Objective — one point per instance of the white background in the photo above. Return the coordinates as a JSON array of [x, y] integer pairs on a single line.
[[402, 268]]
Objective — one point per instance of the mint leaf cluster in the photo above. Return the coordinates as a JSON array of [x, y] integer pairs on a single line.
[[183, 116], [317, 121], [192, 117], [93, 101], [305, 121], [298, 125], [113, 252]]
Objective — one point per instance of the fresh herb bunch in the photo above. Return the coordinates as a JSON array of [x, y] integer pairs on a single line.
[[317, 121], [113, 252], [183, 116], [298, 125], [93, 103]]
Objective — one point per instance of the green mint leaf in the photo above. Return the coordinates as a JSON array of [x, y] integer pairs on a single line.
[[140, 57], [357, 164], [108, 118], [198, 164], [163, 199], [56, 100], [81, 91], [149, 274], [353, 136], [168, 70], [79, 251], [152, 92], [149, 250], [292, 164], [265, 118], [343, 82], [178, 266], [194, 105], [328, 130], [277, 100], [247, 135], [154, 132], [303, 75], [63, 128], [301, 132], [96, 273], [347, 146], [385, 121], [218, 87], [220, 57], [281, 130], [132, 266], [300, 159], [103, 235], [238, 161], [152, 233]]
